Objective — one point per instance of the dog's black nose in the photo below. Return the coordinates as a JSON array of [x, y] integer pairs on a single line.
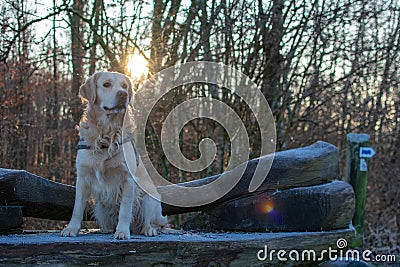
[[122, 96]]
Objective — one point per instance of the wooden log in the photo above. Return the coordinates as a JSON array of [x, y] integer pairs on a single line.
[[312, 165], [183, 249], [315, 208], [11, 219], [38, 197], [357, 177]]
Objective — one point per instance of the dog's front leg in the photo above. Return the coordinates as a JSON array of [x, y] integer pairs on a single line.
[[125, 211], [81, 197]]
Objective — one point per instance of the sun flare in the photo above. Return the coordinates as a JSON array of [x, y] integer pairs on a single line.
[[265, 206], [137, 66]]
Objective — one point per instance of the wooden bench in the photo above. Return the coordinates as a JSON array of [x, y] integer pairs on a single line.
[[300, 205]]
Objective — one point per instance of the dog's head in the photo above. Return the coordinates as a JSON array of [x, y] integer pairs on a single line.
[[109, 92]]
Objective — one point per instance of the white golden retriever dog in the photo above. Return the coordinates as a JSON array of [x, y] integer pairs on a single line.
[[120, 204]]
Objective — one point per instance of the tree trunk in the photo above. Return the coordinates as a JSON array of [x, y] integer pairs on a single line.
[[77, 54]]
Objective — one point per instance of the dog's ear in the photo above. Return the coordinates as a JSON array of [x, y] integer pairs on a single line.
[[88, 91], [130, 89]]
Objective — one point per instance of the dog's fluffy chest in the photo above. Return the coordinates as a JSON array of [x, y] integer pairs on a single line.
[[87, 158], [108, 174]]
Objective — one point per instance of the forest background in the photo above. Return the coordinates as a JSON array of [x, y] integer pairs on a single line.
[[327, 68]]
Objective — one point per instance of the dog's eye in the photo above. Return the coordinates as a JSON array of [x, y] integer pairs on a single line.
[[124, 85], [107, 84]]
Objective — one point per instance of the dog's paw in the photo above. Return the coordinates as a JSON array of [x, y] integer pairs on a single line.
[[69, 231], [122, 234], [149, 231]]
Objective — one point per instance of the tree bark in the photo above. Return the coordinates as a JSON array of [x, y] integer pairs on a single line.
[[77, 55]]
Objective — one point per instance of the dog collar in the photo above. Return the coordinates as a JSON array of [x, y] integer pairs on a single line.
[[83, 145]]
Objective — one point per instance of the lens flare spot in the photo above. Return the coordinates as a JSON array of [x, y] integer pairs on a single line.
[[265, 206]]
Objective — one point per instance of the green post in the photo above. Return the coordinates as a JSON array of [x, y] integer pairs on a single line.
[[356, 175]]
